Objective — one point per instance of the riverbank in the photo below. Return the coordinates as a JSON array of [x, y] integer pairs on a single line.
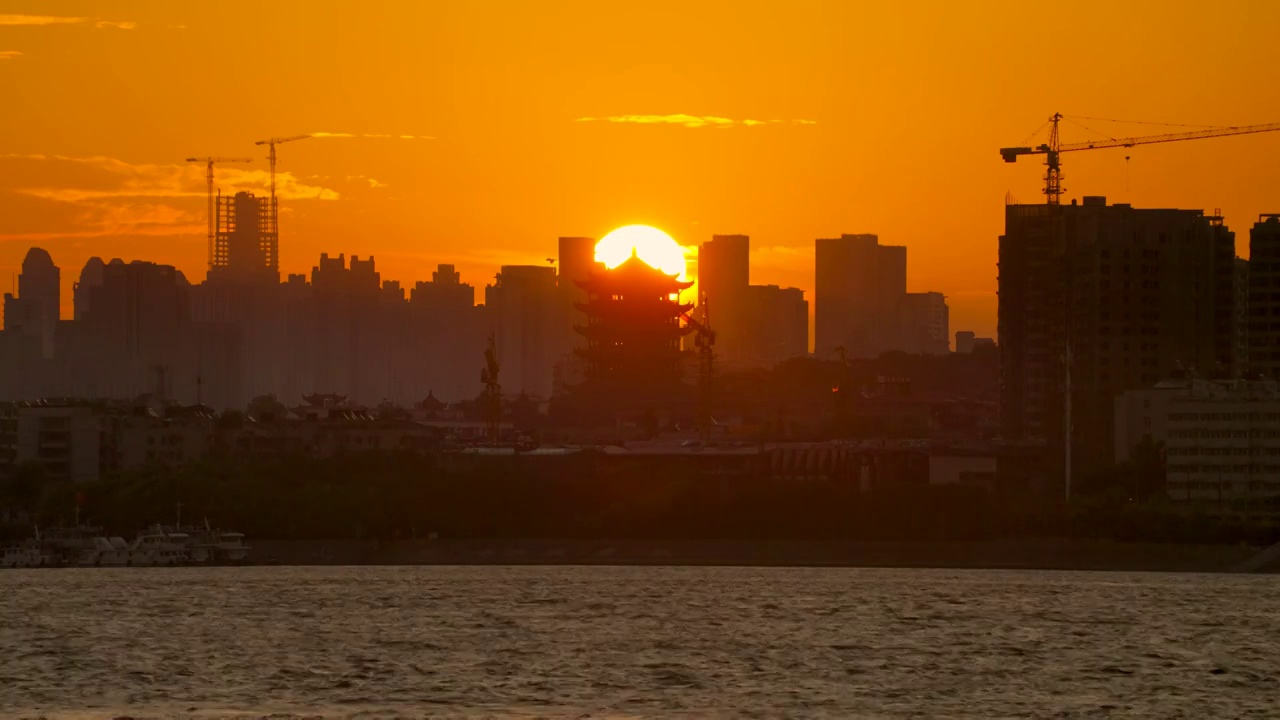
[[1041, 554]]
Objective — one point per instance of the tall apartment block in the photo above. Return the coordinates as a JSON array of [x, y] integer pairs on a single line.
[[1264, 297], [35, 310], [860, 285], [522, 306], [723, 280], [1130, 296]]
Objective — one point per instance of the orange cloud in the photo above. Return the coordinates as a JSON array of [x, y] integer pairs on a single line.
[[38, 20], [113, 178], [9, 54], [370, 135], [693, 121]]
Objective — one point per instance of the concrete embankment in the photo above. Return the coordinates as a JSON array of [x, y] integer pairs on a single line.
[[1049, 554]]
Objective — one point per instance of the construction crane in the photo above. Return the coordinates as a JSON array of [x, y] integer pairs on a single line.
[[208, 176], [1053, 149], [271, 157]]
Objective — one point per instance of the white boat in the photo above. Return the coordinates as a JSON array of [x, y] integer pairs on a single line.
[[82, 546], [204, 544], [159, 548], [27, 554], [230, 547], [112, 551]]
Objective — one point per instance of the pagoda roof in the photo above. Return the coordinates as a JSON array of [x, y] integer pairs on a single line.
[[633, 271]]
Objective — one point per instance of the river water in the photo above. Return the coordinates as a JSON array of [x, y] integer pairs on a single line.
[[596, 642]]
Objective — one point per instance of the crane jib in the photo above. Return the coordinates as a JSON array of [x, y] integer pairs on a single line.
[[1053, 188]]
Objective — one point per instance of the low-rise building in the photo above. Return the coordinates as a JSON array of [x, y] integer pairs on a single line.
[[1221, 438], [66, 440]]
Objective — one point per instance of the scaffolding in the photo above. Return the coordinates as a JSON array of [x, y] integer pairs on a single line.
[[241, 245]]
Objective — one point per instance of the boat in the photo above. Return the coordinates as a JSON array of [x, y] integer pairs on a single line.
[[159, 545], [26, 554], [230, 547], [84, 546], [205, 544], [156, 547]]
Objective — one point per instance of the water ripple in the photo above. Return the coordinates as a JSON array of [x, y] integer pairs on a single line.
[[602, 642]]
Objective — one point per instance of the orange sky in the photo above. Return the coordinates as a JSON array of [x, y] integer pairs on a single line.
[[890, 117]]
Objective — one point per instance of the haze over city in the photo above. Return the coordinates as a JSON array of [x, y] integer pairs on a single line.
[[530, 122], [696, 358]]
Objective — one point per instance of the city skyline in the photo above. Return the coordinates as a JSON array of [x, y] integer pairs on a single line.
[[529, 141]]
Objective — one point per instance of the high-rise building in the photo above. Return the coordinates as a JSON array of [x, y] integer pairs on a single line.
[[859, 286], [1130, 296], [577, 262], [779, 325], [924, 325], [138, 324], [246, 242], [522, 306], [724, 275], [450, 330], [90, 277], [35, 310], [1263, 329]]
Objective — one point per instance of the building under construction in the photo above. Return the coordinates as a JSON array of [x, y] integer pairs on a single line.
[[246, 239]]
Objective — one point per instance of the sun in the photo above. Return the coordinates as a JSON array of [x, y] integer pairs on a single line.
[[653, 246]]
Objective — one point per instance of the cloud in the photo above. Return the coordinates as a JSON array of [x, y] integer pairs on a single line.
[[370, 135], [101, 178], [692, 121], [51, 197], [40, 20], [9, 54], [372, 182], [61, 20]]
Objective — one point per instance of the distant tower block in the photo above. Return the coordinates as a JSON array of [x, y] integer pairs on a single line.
[[246, 240]]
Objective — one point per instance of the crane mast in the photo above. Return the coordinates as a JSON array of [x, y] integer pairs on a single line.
[[208, 176], [271, 158], [1053, 149]]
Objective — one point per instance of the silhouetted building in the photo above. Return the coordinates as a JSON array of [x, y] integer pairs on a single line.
[[242, 293], [1264, 297], [924, 325], [246, 242], [1131, 296], [522, 306], [859, 286], [633, 332], [139, 320], [577, 262], [779, 325], [1240, 356], [450, 331], [724, 276], [90, 277], [34, 312], [967, 341]]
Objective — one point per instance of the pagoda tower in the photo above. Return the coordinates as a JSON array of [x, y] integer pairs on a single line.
[[633, 335]]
